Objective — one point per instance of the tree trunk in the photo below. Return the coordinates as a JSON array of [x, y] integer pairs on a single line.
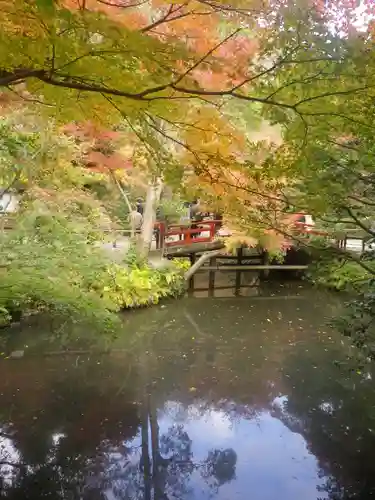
[[122, 192], [149, 216], [126, 199]]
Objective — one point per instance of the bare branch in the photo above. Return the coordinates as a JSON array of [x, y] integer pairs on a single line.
[[337, 115], [173, 139], [342, 145], [282, 61], [361, 200]]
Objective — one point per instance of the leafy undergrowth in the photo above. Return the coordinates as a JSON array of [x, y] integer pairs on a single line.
[[140, 286], [357, 318], [50, 262], [339, 275]]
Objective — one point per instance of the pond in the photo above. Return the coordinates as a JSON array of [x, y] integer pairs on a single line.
[[215, 398]]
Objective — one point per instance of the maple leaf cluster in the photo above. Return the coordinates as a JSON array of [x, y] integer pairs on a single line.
[[99, 146], [195, 24]]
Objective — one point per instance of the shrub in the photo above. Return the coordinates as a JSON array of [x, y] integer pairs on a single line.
[[338, 274], [49, 261]]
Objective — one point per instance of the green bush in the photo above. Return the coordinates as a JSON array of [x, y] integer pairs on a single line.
[[50, 261], [140, 286], [357, 318], [338, 275]]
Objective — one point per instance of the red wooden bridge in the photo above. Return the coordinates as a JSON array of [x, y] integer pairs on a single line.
[[207, 231], [204, 232]]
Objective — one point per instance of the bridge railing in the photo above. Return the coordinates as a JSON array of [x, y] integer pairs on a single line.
[[206, 231], [187, 234], [338, 238]]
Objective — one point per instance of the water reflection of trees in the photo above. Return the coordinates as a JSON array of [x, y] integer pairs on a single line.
[[164, 469], [73, 432], [54, 436], [333, 409], [82, 429]]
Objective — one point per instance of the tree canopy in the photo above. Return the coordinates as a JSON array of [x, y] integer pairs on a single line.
[[241, 99]]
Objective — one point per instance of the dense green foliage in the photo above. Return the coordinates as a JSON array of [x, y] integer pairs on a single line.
[[52, 258], [339, 274], [49, 262]]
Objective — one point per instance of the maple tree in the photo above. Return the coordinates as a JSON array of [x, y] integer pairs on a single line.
[[190, 78]]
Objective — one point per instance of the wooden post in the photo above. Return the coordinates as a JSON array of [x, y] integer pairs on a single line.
[[211, 277], [238, 272], [265, 261], [191, 280], [187, 237]]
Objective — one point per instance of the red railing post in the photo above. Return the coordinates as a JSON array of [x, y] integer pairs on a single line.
[[161, 234], [188, 235], [157, 233], [212, 230]]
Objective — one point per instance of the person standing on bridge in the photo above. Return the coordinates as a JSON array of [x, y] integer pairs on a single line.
[[136, 221], [140, 206], [185, 218], [196, 216]]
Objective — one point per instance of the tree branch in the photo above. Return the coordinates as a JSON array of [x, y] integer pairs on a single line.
[[82, 84], [359, 223], [17, 75], [123, 5], [210, 52], [12, 464], [332, 94], [361, 200], [167, 19]]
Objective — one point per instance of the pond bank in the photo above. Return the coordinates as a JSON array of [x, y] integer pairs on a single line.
[[116, 289]]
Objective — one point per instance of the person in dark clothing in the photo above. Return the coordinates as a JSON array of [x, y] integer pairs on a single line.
[[197, 217], [161, 228], [139, 206], [219, 221]]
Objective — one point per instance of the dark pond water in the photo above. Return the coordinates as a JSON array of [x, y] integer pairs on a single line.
[[227, 399]]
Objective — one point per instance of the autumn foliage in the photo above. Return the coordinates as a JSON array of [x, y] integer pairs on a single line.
[[99, 146], [230, 94]]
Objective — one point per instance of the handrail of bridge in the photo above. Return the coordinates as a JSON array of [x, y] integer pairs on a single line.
[[339, 237], [186, 233], [190, 235]]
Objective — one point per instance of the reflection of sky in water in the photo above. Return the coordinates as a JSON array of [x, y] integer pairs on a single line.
[[272, 461], [8, 453]]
